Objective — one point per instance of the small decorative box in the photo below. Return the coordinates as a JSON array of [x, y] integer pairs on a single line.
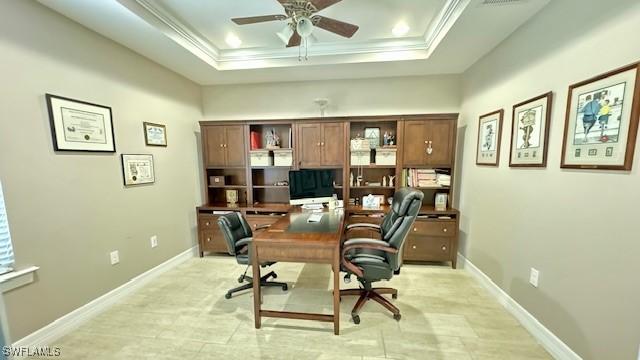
[[216, 180], [360, 157], [386, 156], [359, 144], [261, 158], [283, 157]]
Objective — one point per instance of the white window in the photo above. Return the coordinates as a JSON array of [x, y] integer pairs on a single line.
[[6, 250]]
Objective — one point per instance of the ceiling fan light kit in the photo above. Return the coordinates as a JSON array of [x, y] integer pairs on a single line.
[[302, 20]]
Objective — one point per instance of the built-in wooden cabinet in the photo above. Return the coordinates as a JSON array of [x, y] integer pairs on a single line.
[[224, 145], [422, 142], [429, 142], [321, 144]]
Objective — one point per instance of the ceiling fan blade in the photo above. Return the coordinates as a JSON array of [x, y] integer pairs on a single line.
[[294, 40], [335, 26], [323, 4], [258, 19]]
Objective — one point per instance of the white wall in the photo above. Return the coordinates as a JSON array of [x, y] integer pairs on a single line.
[[67, 211], [578, 227], [380, 96]]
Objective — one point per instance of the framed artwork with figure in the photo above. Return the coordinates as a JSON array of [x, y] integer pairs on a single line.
[[489, 131], [601, 122], [530, 132]]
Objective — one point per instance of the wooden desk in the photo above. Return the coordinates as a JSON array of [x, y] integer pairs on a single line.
[[292, 239]]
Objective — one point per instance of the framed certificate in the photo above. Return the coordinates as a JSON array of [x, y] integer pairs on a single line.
[[155, 134], [80, 126], [137, 169]]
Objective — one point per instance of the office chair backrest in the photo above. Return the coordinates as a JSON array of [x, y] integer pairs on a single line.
[[234, 228], [397, 223]]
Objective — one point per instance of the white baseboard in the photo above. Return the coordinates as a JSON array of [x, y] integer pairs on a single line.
[[548, 340], [69, 322]]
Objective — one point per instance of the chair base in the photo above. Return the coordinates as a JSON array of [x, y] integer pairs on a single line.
[[374, 294], [263, 282]]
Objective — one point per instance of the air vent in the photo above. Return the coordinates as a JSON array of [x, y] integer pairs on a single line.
[[501, 2]]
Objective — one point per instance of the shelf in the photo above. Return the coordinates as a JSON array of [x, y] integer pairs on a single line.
[[225, 167], [373, 166], [228, 187], [270, 187], [377, 187], [437, 187], [269, 167], [424, 210], [273, 207]]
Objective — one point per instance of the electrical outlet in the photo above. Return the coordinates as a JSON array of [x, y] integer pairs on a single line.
[[533, 277], [115, 257], [154, 241]]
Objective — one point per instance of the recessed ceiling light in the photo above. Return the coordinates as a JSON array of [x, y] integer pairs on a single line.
[[400, 29], [233, 41]]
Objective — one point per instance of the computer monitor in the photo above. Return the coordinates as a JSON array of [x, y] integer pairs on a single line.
[[310, 186]]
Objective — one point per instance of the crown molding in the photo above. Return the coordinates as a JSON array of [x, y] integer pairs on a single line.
[[327, 53]]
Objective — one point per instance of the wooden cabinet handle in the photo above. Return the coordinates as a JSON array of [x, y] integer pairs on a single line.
[[429, 147], [322, 143], [415, 229], [444, 248], [221, 145], [444, 230], [413, 247], [208, 239], [318, 144], [207, 223]]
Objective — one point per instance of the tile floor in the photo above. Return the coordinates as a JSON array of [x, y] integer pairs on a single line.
[[183, 315]]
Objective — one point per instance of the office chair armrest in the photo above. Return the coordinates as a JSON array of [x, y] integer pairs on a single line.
[[363, 243], [364, 225], [264, 226], [243, 245]]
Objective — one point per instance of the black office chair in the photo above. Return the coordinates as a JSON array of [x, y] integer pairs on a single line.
[[372, 260], [238, 235]]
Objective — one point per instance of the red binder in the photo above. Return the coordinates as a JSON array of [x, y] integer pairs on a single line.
[[255, 140]]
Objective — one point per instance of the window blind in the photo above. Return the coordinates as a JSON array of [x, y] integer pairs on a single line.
[[6, 249]]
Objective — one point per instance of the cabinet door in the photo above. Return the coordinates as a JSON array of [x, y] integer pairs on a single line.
[[213, 142], [309, 140], [332, 144], [414, 148], [234, 145], [441, 134]]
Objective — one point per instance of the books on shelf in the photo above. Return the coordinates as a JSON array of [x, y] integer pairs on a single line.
[[425, 178]]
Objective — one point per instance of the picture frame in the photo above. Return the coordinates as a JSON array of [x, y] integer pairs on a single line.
[[601, 123], [489, 138], [530, 132], [79, 125], [138, 169], [372, 201], [373, 135], [155, 134], [440, 202]]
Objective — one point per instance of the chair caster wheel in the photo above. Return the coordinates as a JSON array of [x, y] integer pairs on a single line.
[[241, 279], [397, 317], [285, 287], [356, 319], [394, 296], [275, 276], [227, 296]]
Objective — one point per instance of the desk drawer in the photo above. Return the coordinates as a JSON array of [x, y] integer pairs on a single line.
[[427, 249], [434, 228], [212, 241], [207, 222]]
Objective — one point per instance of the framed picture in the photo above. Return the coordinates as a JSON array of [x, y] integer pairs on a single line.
[[155, 134], [530, 132], [602, 121], [80, 126], [372, 201], [489, 130], [440, 203], [138, 169], [373, 135]]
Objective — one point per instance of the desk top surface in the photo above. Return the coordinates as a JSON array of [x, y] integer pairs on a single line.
[[294, 228]]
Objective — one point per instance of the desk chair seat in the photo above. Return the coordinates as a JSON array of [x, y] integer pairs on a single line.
[[238, 236], [373, 260]]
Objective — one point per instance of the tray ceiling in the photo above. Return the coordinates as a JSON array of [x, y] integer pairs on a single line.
[[190, 36]]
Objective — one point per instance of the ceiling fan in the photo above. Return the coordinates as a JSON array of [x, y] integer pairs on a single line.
[[302, 20]]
